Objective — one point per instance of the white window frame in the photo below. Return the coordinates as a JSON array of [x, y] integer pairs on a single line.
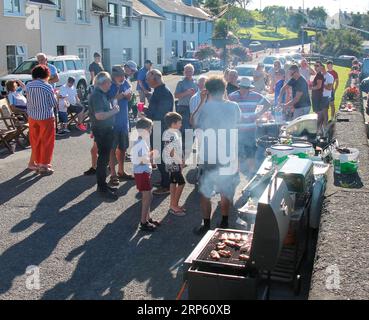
[[83, 11], [20, 13], [127, 17], [60, 8], [174, 23], [192, 25], [20, 54], [83, 54], [161, 29], [184, 24], [113, 15]]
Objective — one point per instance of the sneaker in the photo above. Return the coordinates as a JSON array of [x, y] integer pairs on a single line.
[[107, 194], [61, 133], [148, 227], [90, 172], [161, 191], [114, 181], [200, 231], [177, 213], [125, 177], [81, 127]]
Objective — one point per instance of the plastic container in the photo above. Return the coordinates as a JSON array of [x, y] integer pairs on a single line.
[[346, 163], [280, 153], [303, 150]]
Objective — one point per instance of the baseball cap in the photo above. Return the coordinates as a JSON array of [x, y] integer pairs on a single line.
[[132, 65]]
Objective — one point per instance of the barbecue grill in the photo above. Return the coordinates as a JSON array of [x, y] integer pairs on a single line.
[[231, 278]]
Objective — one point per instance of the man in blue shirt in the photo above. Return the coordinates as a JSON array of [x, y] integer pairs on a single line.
[[54, 76], [120, 93], [143, 88]]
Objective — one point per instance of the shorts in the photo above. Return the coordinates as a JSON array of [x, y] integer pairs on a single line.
[[63, 117], [177, 178], [76, 109], [317, 104], [143, 181], [246, 144], [121, 141], [325, 102], [212, 181], [333, 96]]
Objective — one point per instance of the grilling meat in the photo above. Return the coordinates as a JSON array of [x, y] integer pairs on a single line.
[[231, 236], [230, 243], [239, 245], [244, 257], [225, 253], [223, 237], [221, 246], [246, 248], [214, 255], [238, 237]]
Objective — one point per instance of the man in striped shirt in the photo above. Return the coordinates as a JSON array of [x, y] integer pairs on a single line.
[[248, 100]]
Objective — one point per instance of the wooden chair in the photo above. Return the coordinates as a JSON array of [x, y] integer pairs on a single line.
[[6, 137], [13, 122]]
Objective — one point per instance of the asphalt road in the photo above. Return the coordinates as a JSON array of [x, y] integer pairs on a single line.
[[85, 248]]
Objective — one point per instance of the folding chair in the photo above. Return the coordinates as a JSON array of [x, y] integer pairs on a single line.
[[12, 122], [6, 136]]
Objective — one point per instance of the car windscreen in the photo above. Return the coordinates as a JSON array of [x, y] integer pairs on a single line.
[[189, 55], [26, 67], [269, 60], [245, 71]]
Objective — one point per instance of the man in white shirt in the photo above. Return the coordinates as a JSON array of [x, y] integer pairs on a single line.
[[327, 94], [196, 99], [69, 101]]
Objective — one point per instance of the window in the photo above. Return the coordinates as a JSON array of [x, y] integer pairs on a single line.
[[59, 65], [159, 55], [78, 64], [199, 27], [145, 54], [192, 25], [60, 9], [82, 15], [83, 55], [127, 54], [70, 65], [161, 29], [206, 27], [184, 47], [15, 56], [60, 50], [113, 17], [126, 16], [174, 23], [175, 48], [12, 7], [192, 45], [145, 27], [184, 24]]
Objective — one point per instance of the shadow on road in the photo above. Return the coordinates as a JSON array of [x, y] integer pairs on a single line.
[[16, 185], [56, 223]]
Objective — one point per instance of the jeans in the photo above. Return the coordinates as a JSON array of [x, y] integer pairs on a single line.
[[104, 140]]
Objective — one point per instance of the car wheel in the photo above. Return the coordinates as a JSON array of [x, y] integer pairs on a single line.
[[82, 90]]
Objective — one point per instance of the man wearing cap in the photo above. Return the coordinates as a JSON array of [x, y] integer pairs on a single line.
[[69, 101], [120, 93], [248, 100], [143, 88], [95, 67]]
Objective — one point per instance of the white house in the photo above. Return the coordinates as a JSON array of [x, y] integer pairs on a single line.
[[152, 35], [70, 28], [186, 27]]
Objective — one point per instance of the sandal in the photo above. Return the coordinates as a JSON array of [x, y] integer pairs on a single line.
[[180, 213], [114, 181], [125, 177], [43, 171], [32, 168]]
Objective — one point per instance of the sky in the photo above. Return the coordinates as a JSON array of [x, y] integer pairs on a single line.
[[331, 6]]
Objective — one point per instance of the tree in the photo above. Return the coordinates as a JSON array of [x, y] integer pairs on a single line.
[[319, 16], [295, 21], [205, 52], [215, 6], [223, 26], [341, 42], [244, 17], [275, 16], [241, 3]]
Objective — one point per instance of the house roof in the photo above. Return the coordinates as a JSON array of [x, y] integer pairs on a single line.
[[143, 10], [178, 7]]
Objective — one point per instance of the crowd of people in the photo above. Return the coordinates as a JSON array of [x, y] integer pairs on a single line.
[[221, 104]]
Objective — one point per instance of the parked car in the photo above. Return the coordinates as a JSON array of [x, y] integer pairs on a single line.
[[216, 64], [246, 70], [364, 69], [269, 62], [67, 66], [190, 57], [346, 57]]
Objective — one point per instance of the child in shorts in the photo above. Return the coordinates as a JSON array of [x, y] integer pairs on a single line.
[[142, 169], [173, 158]]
